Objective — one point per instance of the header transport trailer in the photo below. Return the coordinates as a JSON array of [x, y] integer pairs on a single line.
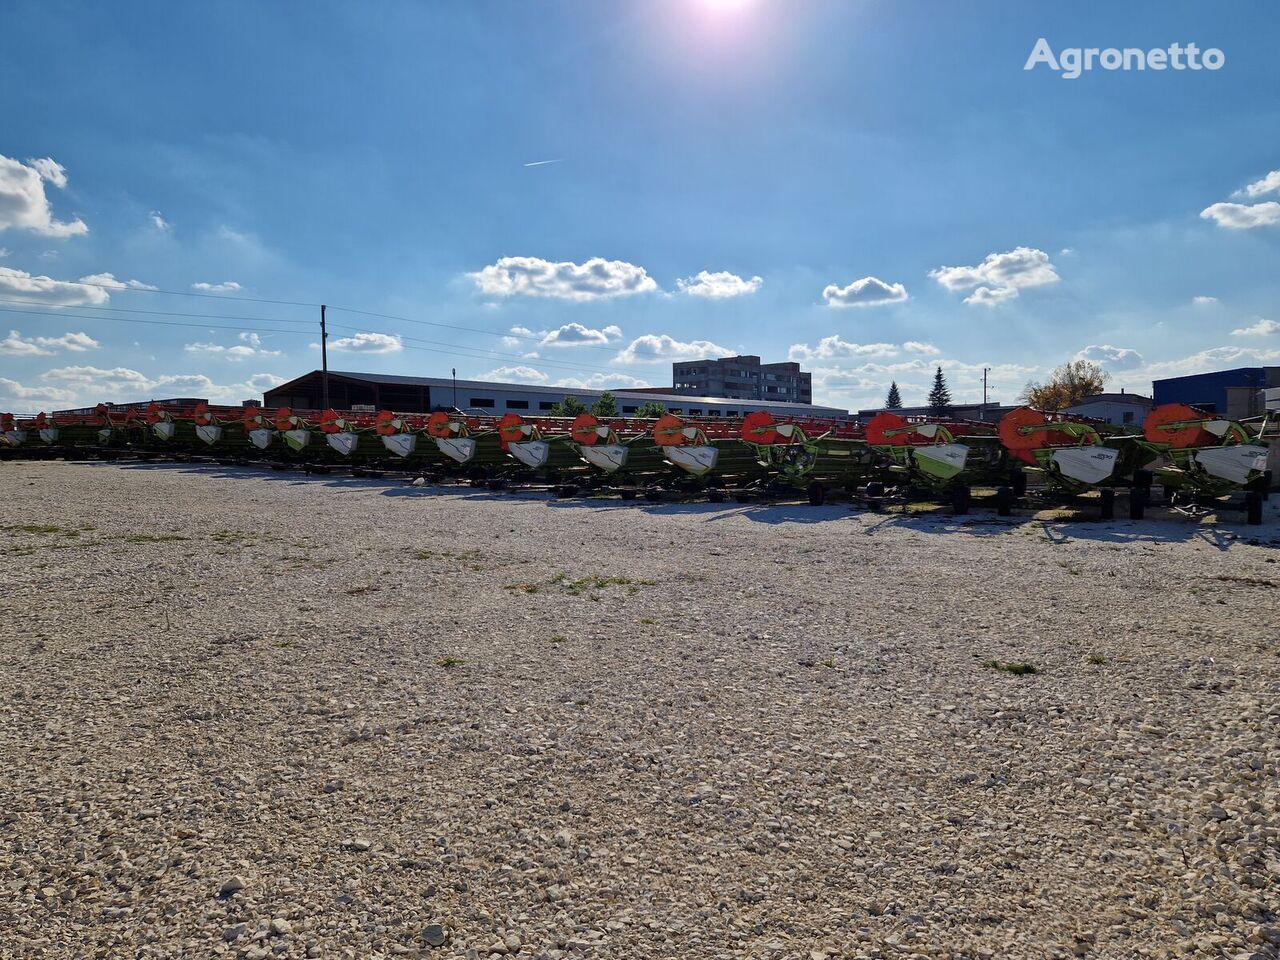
[[1203, 462]]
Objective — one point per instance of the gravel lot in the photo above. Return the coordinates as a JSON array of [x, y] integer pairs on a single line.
[[256, 715]]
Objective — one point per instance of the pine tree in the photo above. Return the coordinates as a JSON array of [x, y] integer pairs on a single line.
[[606, 406], [570, 406], [894, 400], [651, 410], [939, 396]]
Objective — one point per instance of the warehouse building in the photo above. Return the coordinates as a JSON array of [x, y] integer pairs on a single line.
[[385, 391], [1235, 394], [1120, 409]]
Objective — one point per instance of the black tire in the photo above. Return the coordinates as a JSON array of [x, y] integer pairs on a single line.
[[568, 490], [1004, 502], [652, 494], [1142, 480], [1253, 508], [1137, 503], [817, 494], [1018, 481], [960, 500], [497, 483], [742, 496], [715, 495], [627, 494], [1107, 504], [875, 489]]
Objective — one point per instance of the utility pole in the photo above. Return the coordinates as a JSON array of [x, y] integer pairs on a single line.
[[455, 387], [985, 370], [324, 358]]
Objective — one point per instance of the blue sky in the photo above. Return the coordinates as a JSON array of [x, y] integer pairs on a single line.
[[871, 188]]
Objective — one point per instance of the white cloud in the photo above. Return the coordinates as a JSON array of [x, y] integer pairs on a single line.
[[15, 344], [862, 385], [656, 348], [16, 396], [534, 277], [867, 292], [834, 346], [86, 385], [1215, 358], [1000, 276], [517, 374], [23, 203], [915, 346], [368, 343], [111, 283], [49, 292], [1115, 358], [718, 286], [4, 252], [1263, 328], [227, 286], [1203, 301], [1268, 184], [603, 381], [158, 221], [575, 335], [250, 346], [1242, 216]]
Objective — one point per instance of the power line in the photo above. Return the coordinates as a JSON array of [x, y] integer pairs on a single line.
[[122, 288], [54, 311]]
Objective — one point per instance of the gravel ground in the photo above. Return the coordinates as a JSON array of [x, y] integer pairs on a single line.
[[255, 715]]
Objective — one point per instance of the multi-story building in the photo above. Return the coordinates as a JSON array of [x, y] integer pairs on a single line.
[[1235, 394], [742, 378]]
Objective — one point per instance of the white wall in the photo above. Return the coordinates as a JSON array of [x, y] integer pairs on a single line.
[[1113, 411]]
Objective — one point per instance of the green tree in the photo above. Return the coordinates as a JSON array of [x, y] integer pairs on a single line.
[[651, 410], [606, 406], [570, 406], [939, 396], [1068, 385], [894, 400]]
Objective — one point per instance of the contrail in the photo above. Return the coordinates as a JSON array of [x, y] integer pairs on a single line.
[[539, 163]]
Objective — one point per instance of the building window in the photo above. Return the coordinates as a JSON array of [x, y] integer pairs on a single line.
[[546, 404], [695, 412], [1128, 417], [630, 409], [517, 404], [484, 403], [731, 413]]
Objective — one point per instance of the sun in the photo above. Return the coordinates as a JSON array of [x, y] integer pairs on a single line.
[[724, 5]]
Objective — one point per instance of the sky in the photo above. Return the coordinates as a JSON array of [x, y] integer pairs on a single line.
[[574, 192]]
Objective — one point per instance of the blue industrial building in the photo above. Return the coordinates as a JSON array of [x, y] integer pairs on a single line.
[[1236, 394]]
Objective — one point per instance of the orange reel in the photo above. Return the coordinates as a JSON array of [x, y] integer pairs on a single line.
[[584, 429], [284, 419], [669, 431], [511, 428], [883, 430], [102, 413], [438, 425], [154, 414], [385, 423], [42, 420], [757, 427], [202, 415], [1159, 426], [7, 422], [330, 422]]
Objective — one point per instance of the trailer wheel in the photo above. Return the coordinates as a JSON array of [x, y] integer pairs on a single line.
[[568, 490], [817, 494], [1137, 503], [1107, 504], [653, 494], [1018, 481], [960, 500], [497, 483], [1004, 502], [741, 496], [627, 494], [715, 495], [1253, 508], [875, 489]]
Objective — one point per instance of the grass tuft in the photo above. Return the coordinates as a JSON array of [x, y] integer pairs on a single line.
[[1017, 669]]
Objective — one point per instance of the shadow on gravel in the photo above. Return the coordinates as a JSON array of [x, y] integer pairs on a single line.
[[1222, 535]]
